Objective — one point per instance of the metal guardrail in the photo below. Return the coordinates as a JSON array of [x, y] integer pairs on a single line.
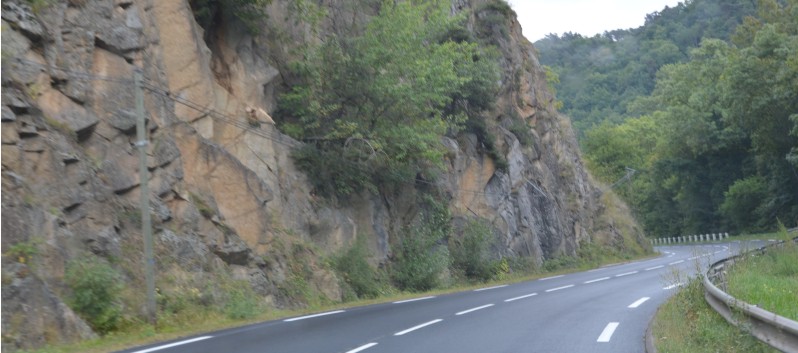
[[777, 331]]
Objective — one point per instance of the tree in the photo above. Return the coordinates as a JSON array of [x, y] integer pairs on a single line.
[[723, 155], [381, 101]]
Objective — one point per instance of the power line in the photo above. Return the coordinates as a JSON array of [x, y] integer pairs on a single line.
[[219, 116], [278, 138]]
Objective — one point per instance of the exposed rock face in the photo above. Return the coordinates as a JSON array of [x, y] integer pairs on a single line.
[[225, 195]]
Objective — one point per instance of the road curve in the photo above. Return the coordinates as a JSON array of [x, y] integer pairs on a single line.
[[601, 310]]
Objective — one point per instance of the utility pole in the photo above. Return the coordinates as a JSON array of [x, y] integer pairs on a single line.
[[146, 228]]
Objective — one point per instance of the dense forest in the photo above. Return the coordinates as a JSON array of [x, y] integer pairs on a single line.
[[701, 103]]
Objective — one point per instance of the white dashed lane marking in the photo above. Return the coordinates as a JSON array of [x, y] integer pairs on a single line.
[[638, 302], [606, 335], [363, 347], [417, 327], [474, 309], [655, 267], [596, 280], [558, 288], [521, 297], [626, 274], [676, 262]]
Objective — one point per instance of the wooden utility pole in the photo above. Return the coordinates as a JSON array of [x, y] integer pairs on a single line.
[[146, 228]]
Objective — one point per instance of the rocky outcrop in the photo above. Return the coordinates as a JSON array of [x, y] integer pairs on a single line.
[[225, 195]]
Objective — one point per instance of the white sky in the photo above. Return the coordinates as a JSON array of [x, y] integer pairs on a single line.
[[586, 17]]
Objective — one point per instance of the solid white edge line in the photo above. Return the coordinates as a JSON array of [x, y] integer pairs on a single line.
[[521, 297], [558, 288], [314, 315], [608, 331], [597, 280], [626, 274], [638, 302], [676, 262], [552, 277], [417, 327], [489, 288], [413, 300], [474, 309], [363, 347], [655, 267], [173, 344]]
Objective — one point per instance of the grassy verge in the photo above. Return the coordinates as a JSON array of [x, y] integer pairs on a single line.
[[207, 321], [769, 280], [686, 323]]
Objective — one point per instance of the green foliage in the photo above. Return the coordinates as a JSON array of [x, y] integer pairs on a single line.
[[334, 171], [242, 301], [487, 141], [495, 16], [601, 76], [377, 104], [470, 253], [361, 277], [520, 129], [714, 144], [420, 257], [23, 252], [686, 323], [743, 202], [95, 288]]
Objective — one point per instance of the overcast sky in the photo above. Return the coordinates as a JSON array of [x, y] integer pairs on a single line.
[[587, 17]]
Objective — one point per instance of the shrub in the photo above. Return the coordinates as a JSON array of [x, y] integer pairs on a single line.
[[420, 259], [471, 253], [356, 272], [95, 289], [242, 301], [23, 252], [520, 129], [478, 127]]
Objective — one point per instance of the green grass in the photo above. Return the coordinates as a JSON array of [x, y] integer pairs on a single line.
[[686, 323], [769, 281]]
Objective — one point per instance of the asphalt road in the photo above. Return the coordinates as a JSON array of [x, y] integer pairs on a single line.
[[602, 310]]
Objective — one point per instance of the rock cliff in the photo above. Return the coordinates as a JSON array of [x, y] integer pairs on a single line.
[[226, 197]]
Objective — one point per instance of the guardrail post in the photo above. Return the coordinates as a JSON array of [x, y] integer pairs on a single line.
[[727, 235]]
